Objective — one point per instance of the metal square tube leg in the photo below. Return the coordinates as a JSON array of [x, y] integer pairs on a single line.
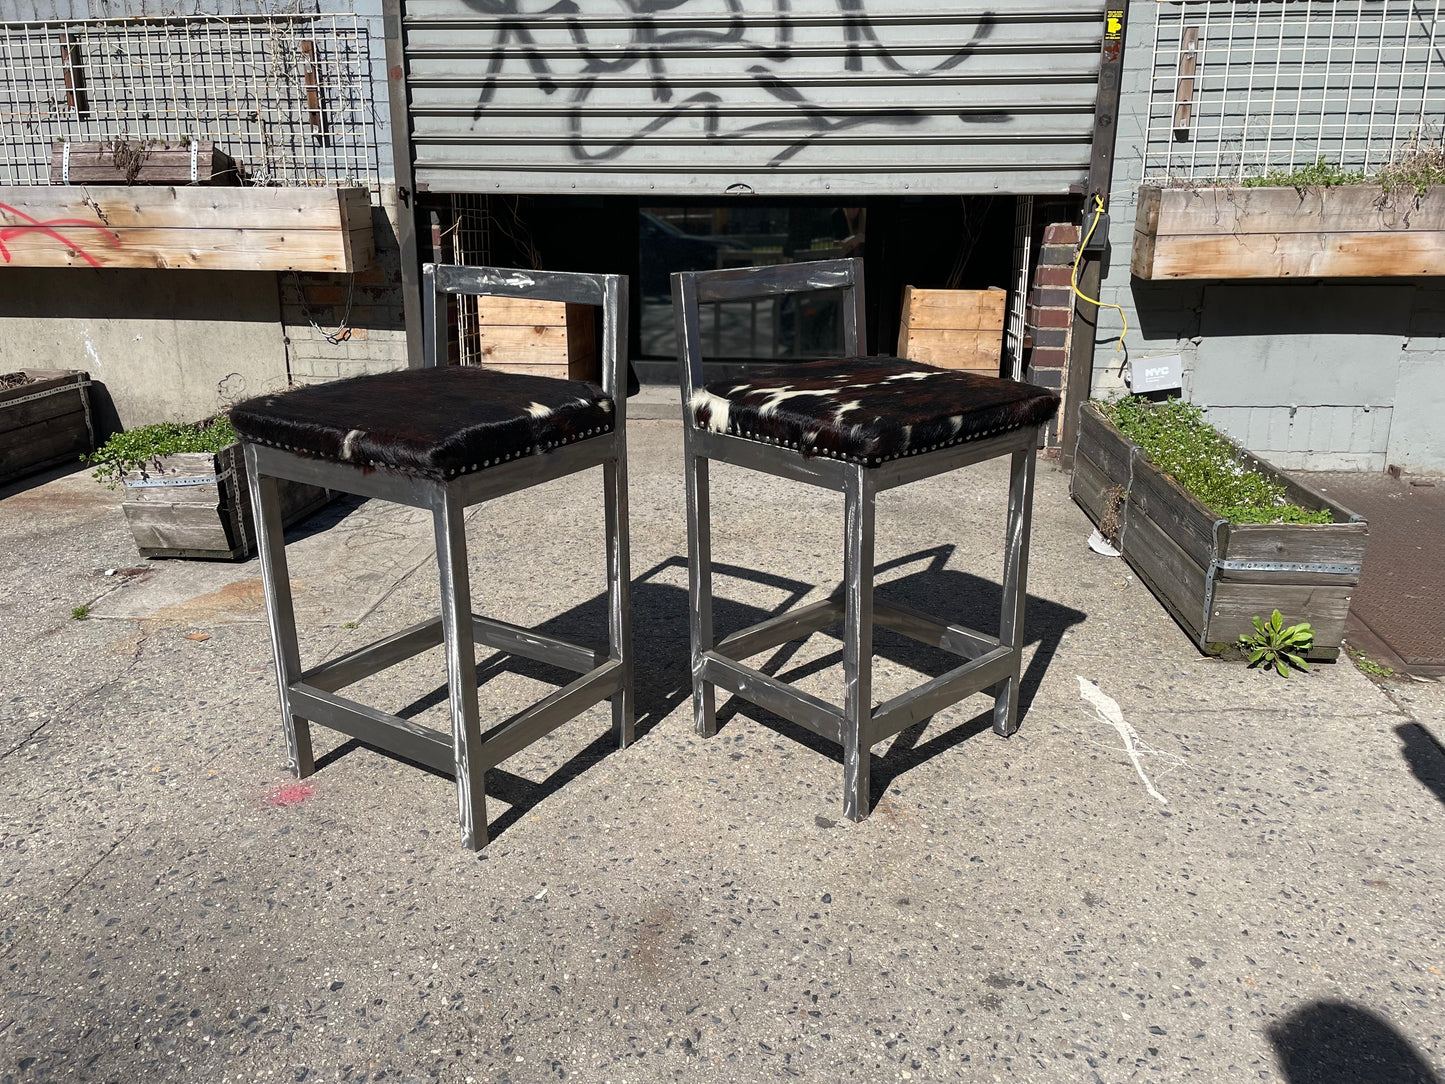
[[858, 513], [699, 582], [456, 602], [619, 591], [1015, 587], [266, 507]]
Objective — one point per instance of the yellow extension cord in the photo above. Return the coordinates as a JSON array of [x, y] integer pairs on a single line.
[[1074, 278]]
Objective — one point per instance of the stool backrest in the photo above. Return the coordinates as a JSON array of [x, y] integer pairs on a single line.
[[607, 292], [691, 289]]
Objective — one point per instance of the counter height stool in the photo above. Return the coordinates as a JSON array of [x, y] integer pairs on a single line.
[[859, 425], [444, 438]]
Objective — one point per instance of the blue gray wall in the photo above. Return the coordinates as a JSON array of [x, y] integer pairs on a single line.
[[1329, 374]]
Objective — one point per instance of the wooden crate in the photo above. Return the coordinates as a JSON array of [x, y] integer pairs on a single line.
[[195, 504], [1356, 231], [544, 338], [45, 423], [243, 229], [164, 163], [1211, 575], [954, 329]]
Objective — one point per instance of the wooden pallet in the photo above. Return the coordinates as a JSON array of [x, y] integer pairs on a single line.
[[1211, 575], [954, 329], [45, 423], [243, 229]]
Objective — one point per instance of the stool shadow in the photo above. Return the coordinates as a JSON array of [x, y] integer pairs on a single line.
[[662, 673], [661, 680], [944, 593]]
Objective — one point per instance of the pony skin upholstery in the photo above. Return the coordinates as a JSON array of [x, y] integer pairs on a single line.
[[868, 410], [435, 423]]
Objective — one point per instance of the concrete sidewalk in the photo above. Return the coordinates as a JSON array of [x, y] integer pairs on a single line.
[[176, 908]]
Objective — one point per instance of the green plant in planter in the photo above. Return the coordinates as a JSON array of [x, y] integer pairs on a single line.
[[1274, 645], [135, 447], [1176, 437]]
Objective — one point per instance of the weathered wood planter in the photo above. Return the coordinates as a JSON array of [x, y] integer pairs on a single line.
[[1211, 575], [197, 228], [1357, 231], [195, 504], [45, 423]]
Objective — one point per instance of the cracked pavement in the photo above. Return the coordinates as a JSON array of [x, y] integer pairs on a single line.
[[173, 906]]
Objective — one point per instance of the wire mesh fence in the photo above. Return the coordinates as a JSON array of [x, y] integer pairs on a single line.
[[288, 96], [1244, 87]]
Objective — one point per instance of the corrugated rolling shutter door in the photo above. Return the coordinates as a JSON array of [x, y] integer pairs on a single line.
[[780, 97]]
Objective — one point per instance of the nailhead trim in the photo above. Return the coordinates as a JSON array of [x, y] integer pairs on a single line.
[[535, 449], [867, 461]]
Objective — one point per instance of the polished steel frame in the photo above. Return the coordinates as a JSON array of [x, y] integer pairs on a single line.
[[309, 696], [992, 663]]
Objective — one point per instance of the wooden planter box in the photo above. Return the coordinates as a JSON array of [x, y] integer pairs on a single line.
[[199, 162], [1211, 575], [953, 329], [239, 229], [1355, 231], [45, 423], [196, 504]]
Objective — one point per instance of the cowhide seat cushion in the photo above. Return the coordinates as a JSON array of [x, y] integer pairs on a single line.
[[437, 423], [868, 410]]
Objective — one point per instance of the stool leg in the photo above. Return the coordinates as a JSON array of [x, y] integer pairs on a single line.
[[619, 589], [456, 599], [699, 582], [280, 615], [1015, 587], [858, 514]]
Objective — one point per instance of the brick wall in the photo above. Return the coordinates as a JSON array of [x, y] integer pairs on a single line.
[[374, 339], [1051, 312]]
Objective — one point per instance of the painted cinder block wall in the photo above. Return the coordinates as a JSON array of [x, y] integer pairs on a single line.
[[1325, 374]]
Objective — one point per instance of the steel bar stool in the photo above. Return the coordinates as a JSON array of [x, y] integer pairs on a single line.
[[444, 438], [858, 425]]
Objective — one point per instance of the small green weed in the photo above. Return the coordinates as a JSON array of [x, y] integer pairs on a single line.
[[80, 613], [1276, 646], [1180, 442], [131, 449], [351, 625], [1369, 666]]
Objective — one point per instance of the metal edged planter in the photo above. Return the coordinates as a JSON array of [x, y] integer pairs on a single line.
[[45, 423], [196, 504], [1213, 576]]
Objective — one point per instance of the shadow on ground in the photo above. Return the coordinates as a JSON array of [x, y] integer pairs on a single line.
[[662, 674], [1425, 757], [1334, 1042]]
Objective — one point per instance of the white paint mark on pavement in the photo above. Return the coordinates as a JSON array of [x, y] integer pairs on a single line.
[[1108, 710]]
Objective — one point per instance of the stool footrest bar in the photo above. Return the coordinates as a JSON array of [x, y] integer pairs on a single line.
[[391, 732], [518, 732], [918, 704], [927, 629], [778, 697], [346, 669], [530, 644], [796, 624]]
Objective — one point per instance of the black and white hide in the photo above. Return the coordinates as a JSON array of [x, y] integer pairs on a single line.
[[435, 423], [868, 410]]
